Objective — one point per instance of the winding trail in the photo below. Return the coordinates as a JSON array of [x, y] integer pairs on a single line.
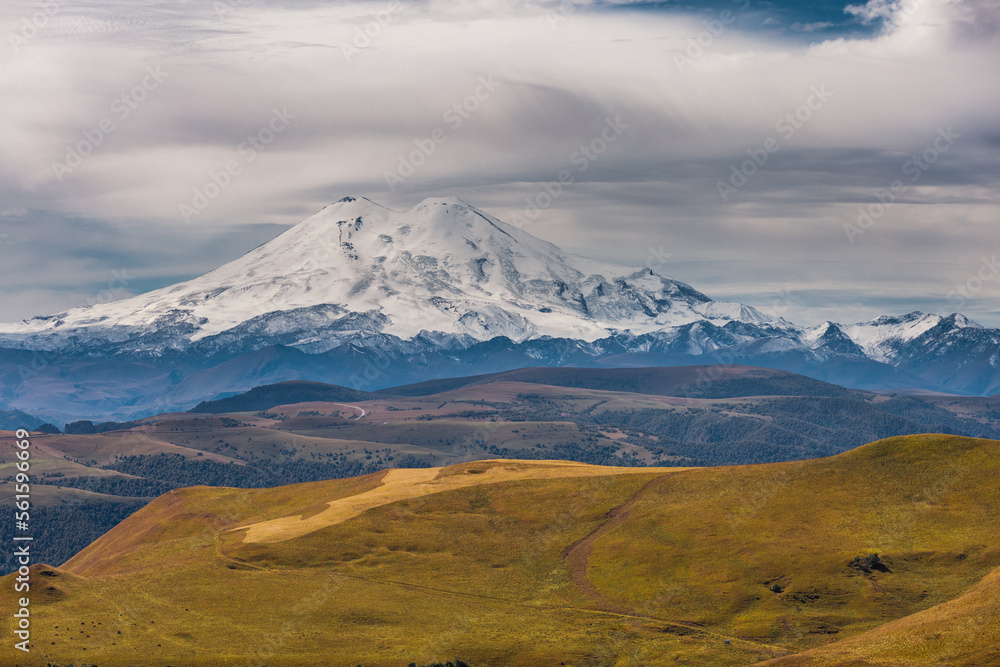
[[647, 622], [577, 555], [399, 484], [354, 407]]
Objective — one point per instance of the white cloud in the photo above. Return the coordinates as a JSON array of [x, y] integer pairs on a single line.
[[812, 27], [875, 10], [926, 69]]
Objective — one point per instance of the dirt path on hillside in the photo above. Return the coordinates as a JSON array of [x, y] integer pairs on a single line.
[[354, 407], [647, 623], [577, 555]]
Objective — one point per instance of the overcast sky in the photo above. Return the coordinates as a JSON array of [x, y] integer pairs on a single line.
[[116, 115]]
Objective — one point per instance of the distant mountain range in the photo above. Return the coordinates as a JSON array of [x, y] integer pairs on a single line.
[[367, 297], [93, 475]]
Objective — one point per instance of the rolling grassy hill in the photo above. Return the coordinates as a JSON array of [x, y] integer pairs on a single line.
[[269, 395], [509, 415], [548, 563], [702, 381], [963, 631]]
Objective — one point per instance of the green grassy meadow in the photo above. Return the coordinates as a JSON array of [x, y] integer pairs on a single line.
[[608, 567]]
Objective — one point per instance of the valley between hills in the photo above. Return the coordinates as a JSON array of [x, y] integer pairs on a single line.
[[449, 521]]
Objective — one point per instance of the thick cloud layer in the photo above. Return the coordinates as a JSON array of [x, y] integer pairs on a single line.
[[747, 150]]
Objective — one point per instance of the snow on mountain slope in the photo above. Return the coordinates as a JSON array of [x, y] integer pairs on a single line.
[[358, 267], [881, 338], [368, 297]]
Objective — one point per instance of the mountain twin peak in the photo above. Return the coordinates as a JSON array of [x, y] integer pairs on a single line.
[[441, 266], [445, 288]]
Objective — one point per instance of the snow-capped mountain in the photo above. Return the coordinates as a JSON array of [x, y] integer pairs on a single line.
[[358, 267], [883, 338], [368, 297]]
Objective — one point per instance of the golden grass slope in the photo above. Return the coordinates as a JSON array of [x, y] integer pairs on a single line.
[[528, 566], [405, 484], [158, 536], [713, 544], [961, 632]]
